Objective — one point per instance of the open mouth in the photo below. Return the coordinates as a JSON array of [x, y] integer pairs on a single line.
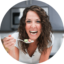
[[33, 32]]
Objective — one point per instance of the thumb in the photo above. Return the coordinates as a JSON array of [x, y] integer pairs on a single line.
[[9, 35]]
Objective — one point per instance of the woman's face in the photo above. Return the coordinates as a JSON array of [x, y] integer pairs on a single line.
[[33, 25]]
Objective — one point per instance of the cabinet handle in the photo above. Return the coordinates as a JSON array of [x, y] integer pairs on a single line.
[[27, 2]]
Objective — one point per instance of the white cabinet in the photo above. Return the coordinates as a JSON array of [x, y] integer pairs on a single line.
[[62, 49], [63, 52]]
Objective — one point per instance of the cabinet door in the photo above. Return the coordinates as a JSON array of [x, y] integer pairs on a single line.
[[56, 14], [22, 3], [26, 3], [5, 19], [38, 2]]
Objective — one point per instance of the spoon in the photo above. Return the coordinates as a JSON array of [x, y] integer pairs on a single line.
[[25, 40]]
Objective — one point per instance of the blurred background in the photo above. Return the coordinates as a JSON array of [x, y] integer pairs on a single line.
[[11, 20]]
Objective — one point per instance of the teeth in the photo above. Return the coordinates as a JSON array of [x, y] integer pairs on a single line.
[[33, 31]]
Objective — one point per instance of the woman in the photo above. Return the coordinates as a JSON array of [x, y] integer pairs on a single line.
[[34, 25]]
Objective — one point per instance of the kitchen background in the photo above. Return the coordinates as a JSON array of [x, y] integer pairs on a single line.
[[10, 22]]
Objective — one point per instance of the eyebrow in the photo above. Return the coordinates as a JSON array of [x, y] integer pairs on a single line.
[[37, 19], [30, 19]]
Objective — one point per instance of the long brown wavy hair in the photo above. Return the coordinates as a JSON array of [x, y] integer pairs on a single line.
[[44, 37]]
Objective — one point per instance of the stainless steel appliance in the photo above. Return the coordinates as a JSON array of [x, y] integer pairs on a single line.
[[16, 14]]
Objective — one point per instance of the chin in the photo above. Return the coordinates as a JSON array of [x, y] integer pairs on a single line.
[[34, 38]]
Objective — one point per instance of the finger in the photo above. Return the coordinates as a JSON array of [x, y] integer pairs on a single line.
[[9, 35], [7, 38], [9, 41], [11, 47], [9, 44], [29, 40]]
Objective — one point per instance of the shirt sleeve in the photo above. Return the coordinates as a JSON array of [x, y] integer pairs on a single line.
[[52, 39], [15, 35]]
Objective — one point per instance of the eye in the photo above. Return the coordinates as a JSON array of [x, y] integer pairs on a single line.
[[38, 21], [28, 21]]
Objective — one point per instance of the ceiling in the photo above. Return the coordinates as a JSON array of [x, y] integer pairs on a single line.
[[13, 2], [9, 2]]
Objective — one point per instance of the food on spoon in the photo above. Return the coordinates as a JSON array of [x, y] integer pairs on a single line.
[[25, 40], [28, 40]]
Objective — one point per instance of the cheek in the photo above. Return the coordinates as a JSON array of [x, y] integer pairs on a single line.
[[39, 27], [27, 27]]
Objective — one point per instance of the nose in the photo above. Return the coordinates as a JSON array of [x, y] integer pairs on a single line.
[[33, 25]]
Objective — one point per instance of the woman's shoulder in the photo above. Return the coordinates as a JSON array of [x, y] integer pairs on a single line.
[[52, 36], [52, 39]]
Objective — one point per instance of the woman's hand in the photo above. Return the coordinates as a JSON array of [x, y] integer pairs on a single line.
[[9, 42]]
